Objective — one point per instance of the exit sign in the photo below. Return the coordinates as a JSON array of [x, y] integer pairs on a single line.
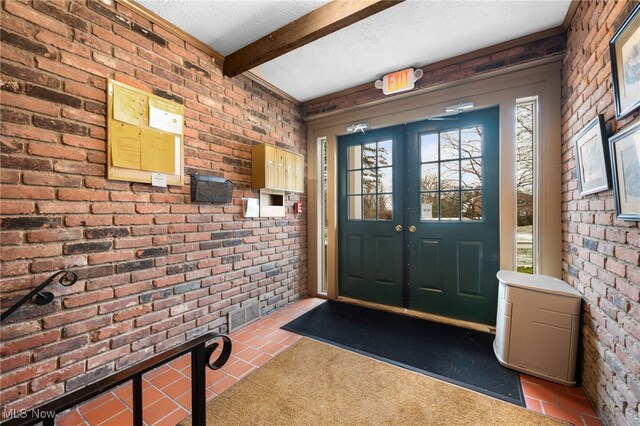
[[399, 81]]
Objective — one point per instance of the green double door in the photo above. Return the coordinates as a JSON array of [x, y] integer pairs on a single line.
[[418, 216]]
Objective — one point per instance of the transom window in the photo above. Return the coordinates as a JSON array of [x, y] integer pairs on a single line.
[[370, 181], [451, 176]]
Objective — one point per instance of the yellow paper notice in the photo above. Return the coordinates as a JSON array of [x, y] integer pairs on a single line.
[[125, 146], [158, 152], [129, 106]]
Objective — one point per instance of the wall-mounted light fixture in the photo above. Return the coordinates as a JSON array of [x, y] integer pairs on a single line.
[[355, 127], [459, 107]]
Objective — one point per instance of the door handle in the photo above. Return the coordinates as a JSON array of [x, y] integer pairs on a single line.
[[398, 228], [412, 228]]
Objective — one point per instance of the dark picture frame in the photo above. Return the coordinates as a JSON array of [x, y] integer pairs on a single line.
[[624, 49], [624, 147], [592, 151]]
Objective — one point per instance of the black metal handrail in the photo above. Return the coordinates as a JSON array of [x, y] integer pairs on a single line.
[[38, 297], [200, 357]]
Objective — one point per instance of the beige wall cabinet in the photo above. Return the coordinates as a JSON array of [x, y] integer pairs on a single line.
[[276, 168]]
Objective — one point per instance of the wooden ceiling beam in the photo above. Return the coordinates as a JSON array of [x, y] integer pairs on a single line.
[[324, 20]]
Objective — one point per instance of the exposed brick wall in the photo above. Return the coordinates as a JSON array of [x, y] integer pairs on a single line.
[[155, 268], [435, 74], [600, 253]]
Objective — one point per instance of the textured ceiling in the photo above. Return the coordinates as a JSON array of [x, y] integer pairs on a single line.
[[228, 25], [413, 33]]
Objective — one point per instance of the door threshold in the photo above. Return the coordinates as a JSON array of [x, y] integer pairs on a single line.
[[486, 328]]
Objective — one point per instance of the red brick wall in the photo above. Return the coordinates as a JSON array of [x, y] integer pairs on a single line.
[[600, 253], [155, 268], [438, 73]]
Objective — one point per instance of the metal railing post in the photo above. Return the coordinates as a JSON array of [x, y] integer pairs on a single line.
[[198, 385], [137, 400]]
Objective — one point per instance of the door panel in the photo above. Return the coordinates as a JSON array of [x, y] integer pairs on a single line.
[[355, 257], [453, 198], [370, 175], [470, 264], [428, 265], [383, 251]]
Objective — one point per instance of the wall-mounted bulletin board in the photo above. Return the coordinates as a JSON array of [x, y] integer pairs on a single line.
[[144, 136]]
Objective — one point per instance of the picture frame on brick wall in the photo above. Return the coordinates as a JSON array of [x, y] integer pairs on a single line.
[[592, 152], [624, 147], [624, 49]]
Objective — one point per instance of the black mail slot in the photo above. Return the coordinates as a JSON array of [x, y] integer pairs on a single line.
[[211, 189]]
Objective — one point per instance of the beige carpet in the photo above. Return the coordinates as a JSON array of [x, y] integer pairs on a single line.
[[313, 383]]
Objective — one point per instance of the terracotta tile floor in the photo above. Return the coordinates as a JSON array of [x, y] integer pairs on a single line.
[[167, 392], [563, 402]]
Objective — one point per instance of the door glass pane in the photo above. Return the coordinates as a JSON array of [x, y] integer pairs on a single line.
[[450, 145], [449, 175], [449, 205], [354, 157], [354, 179], [369, 207], [429, 147], [370, 173], [429, 206], [429, 178], [385, 207], [471, 205], [471, 173], [369, 181], [457, 167], [526, 135], [385, 179], [369, 152], [355, 207], [471, 145], [385, 153]]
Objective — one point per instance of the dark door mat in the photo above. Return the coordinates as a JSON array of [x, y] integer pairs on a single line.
[[456, 355]]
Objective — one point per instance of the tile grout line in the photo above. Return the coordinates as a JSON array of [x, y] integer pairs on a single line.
[[116, 414], [177, 409]]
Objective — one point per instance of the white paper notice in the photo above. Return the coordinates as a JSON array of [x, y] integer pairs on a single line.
[[158, 179], [250, 207], [163, 120], [427, 211]]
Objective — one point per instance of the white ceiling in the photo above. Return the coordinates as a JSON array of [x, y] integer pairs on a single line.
[[413, 33]]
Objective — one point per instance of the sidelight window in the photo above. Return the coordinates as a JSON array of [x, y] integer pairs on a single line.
[[451, 175], [526, 134]]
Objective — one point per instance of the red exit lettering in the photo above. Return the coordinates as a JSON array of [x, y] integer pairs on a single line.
[[398, 81]]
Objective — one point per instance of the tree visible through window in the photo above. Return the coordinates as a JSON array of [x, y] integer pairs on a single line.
[[451, 176], [525, 137], [370, 181]]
